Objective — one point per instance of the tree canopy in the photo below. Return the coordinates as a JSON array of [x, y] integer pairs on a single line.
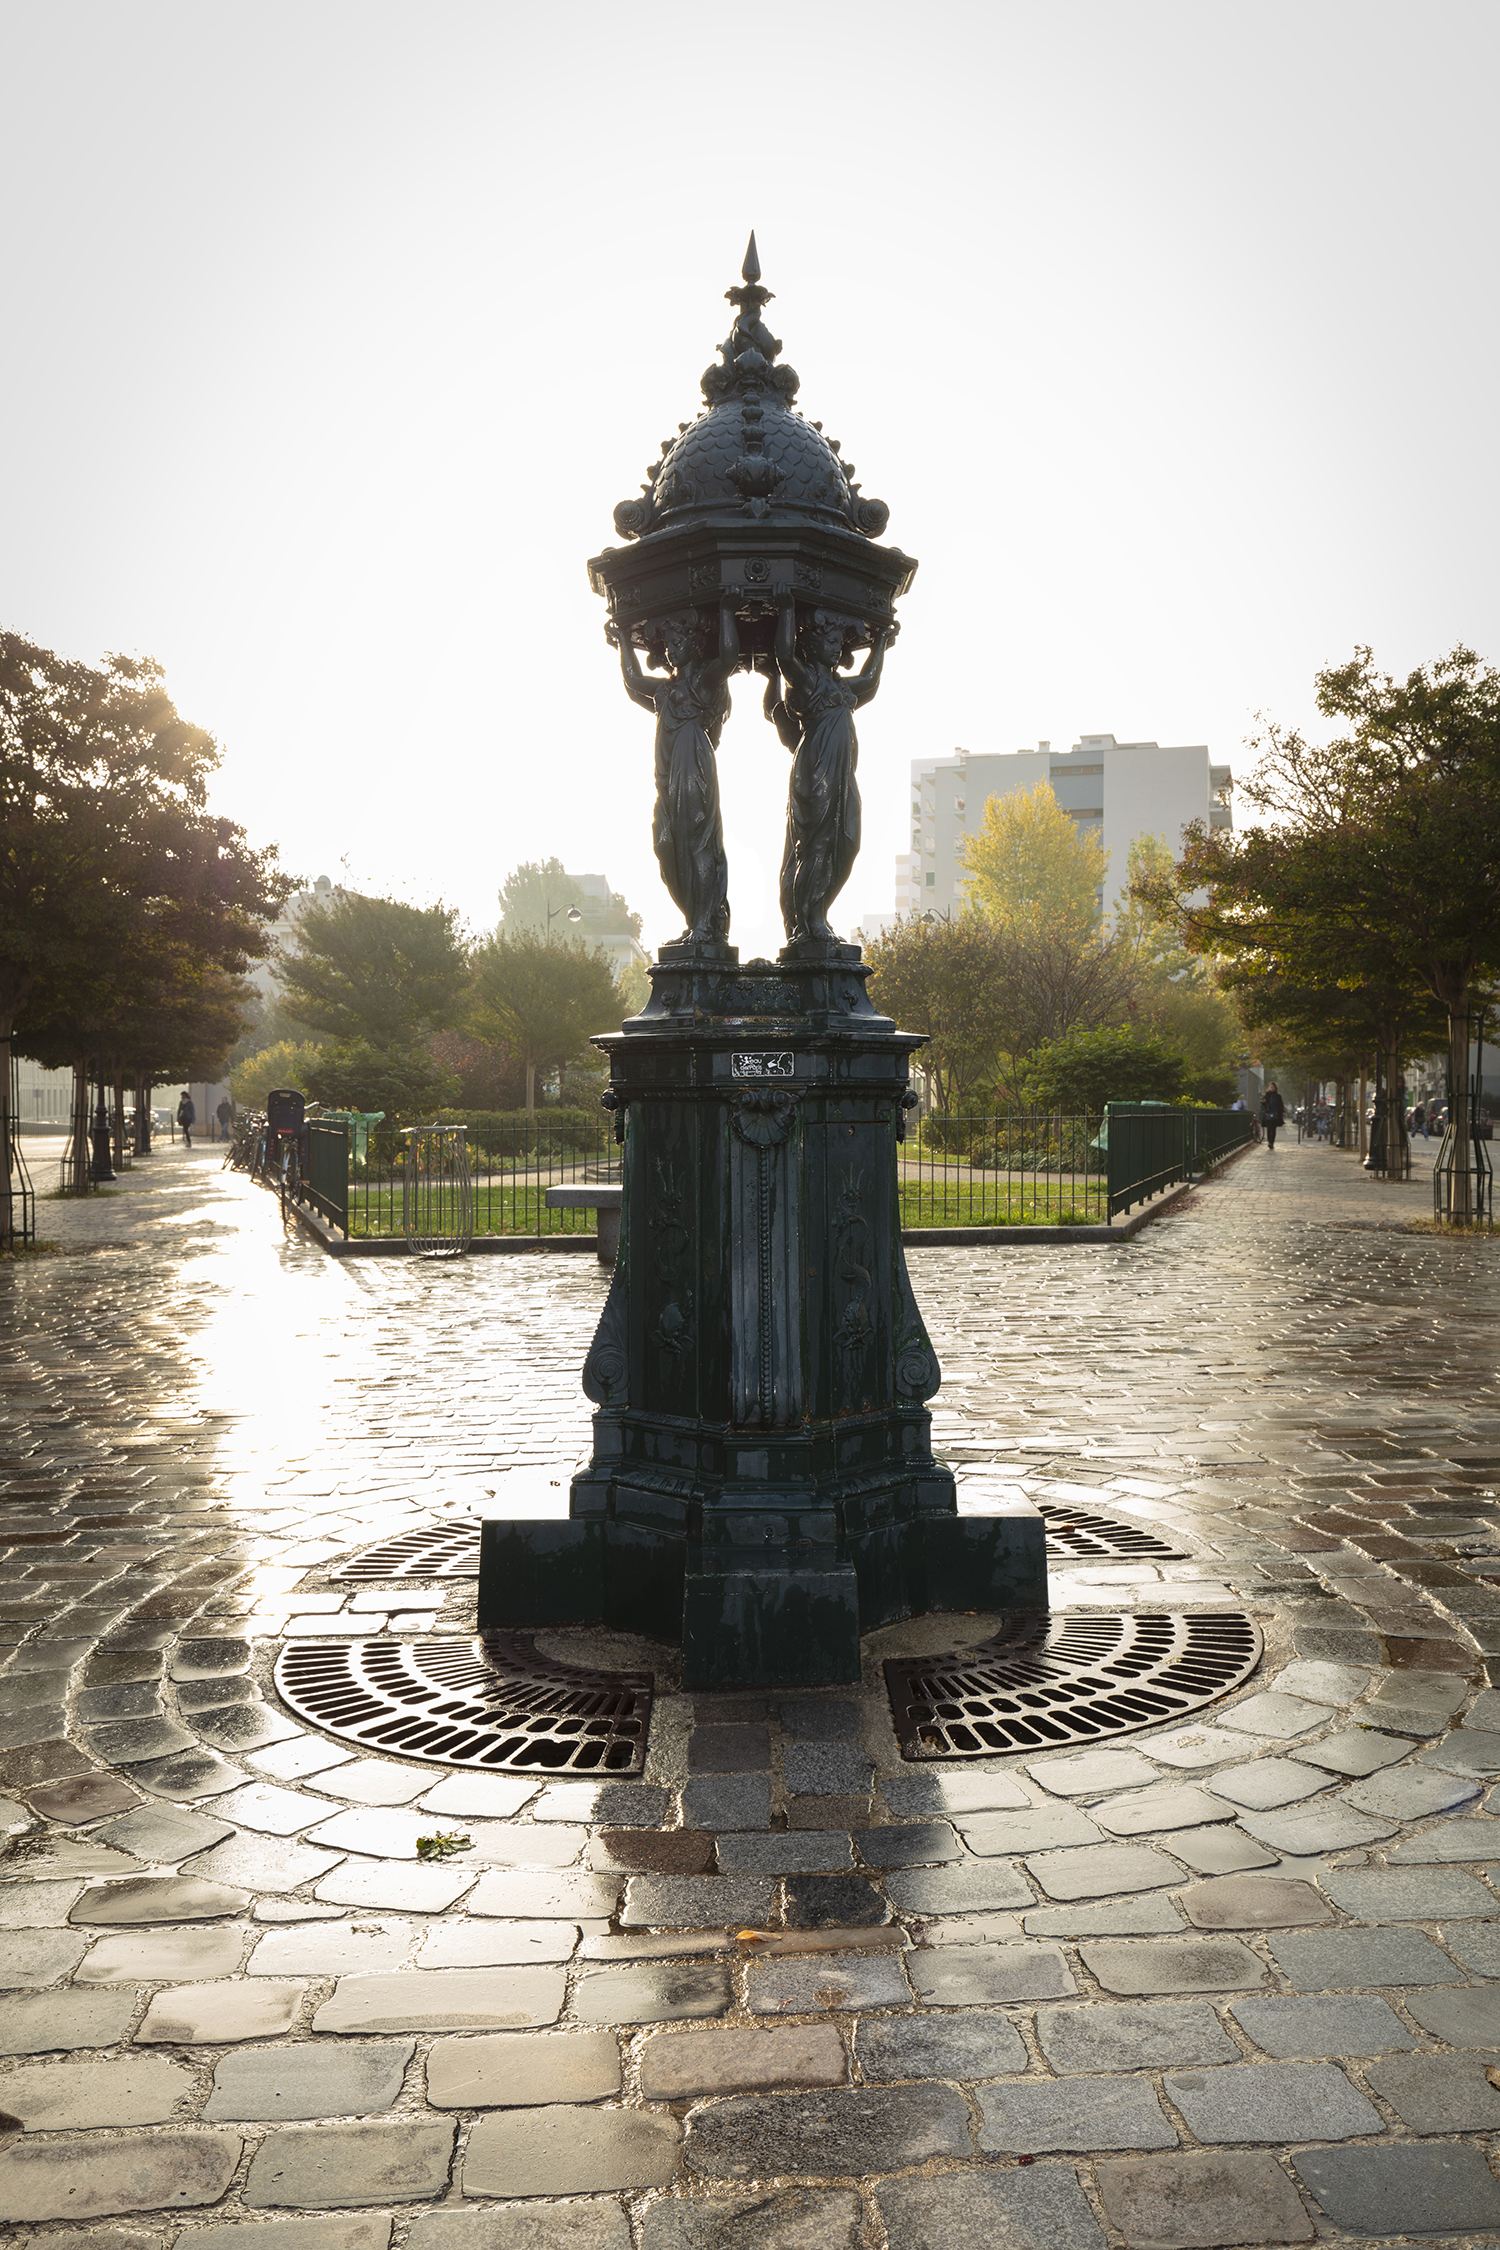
[[374, 970], [1030, 864], [542, 1001], [530, 889], [1086, 1069]]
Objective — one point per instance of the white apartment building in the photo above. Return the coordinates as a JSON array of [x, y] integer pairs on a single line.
[[1115, 791]]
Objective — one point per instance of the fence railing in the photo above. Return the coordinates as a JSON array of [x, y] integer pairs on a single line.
[[978, 1170]]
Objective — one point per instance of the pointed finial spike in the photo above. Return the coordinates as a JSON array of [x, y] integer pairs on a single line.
[[750, 270]]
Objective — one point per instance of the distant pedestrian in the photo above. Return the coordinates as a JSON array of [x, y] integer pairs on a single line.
[[1419, 1121], [187, 1117], [225, 1115], [1272, 1113]]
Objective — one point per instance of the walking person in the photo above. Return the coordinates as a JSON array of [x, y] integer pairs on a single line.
[[187, 1116], [225, 1115], [1272, 1113]]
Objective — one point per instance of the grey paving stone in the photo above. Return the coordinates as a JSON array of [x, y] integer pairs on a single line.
[[1147, 1915], [595, 2225], [1273, 2101], [1465, 2015], [1093, 1773], [37, 1957], [1173, 1965], [1353, 1754], [191, 1773], [913, 1844], [1040, 1828], [1477, 1945], [846, 2131], [1342, 2024], [729, 1749], [966, 1976], [1040, 2209], [1099, 1870], [723, 1801], [805, 1983], [1075, 2114], [968, 1889], [825, 1769], [1265, 1783], [218, 2014], [490, 1796], [1423, 1691], [1254, 1902], [399, 1887], [1308, 1831], [833, 1902], [163, 1955], [1325, 1683], [1476, 1837], [1393, 1895], [158, 1898], [124, 2090], [785, 1854], [976, 2045], [399, 2160], [1412, 1793], [1399, 1720], [1402, 2189], [274, 1812], [343, 1949], [652, 1992], [82, 2179], [262, 1863], [163, 1833], [1191, 1749], [830, 1812], [1280, 1716], [819, 1721], [41, 2022], [37, 1906], [1346, 1960], [1440, 2093], [310, 2080], [1119, 2036], [45, 1859], [444, 2000], [1217, 1851], [369, 2233], [698, 1902], [205, 1659], [520, 2070], [379, 1781], [1465, 1750], [461, 1944], [921, 1795], [677, 2064], [1485, 1710], [139, 1699], [243, 1726], [134, 1741], [1171, 1804], [84, 1796], [615, 1804], [570, 2151], [1201, 2201], [541, 1896], [796, 2219]]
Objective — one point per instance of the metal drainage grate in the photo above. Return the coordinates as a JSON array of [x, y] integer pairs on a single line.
[[1041, 1684], [440, 1550], [490, 1701], [1077, 1534]]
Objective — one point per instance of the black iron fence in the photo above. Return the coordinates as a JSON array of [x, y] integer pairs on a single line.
[[981, 1170]]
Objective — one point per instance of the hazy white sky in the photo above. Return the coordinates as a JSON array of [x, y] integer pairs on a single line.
[[1168, 331]]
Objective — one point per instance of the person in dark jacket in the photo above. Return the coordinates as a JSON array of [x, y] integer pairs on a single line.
[[187, 1117], [1272, 1113]]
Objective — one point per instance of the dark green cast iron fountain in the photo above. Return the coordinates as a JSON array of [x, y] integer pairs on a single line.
[[762, 1485]]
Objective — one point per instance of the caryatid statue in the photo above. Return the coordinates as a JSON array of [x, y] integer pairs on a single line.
[[691, 705], [823, 811]]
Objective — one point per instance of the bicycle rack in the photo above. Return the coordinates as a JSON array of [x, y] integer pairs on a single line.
[[437, 1191]]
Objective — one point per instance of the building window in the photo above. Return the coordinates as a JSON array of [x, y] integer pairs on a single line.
[[932, 882]]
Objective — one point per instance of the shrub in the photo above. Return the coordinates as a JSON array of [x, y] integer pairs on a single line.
[[1086, 1069]]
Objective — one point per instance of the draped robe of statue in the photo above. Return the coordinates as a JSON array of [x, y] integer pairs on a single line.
[[823, 809], [686, 829]]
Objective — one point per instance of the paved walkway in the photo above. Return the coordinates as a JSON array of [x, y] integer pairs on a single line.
[[1229, 1983]]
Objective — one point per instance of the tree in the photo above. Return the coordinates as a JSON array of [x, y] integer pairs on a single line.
[[1386, 866], [1086, 1069], [489, 1077], [945, 979], [1178, 994], [374, 970], [1030, 864], [288, 1063], [542, 1001], [537, 885], [107, 852], [407, 1082]]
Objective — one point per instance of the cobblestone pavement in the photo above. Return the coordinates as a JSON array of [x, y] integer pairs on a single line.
[[1229, 1982]]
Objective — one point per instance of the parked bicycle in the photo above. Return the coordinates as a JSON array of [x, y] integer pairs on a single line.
[[283, 1162]]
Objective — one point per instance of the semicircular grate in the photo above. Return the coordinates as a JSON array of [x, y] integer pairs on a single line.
[[1077, 1533], [438, 1550], [1047, 1683], [488, 1701]]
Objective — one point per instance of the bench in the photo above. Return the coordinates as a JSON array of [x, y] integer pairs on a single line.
[[593, 1197]]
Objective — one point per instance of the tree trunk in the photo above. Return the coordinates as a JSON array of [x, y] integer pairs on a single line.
[[1460, 1131], [1363, 1142], [142, 1136], [79, 1157], [531, 1089], [117, 1121]]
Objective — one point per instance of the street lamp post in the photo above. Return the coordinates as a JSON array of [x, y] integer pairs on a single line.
[[102, 1169], [571, 912]]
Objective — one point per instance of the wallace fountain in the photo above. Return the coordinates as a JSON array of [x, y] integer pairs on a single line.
[[762, 1486]]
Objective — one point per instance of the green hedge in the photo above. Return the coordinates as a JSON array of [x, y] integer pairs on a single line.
[[512, 1132]]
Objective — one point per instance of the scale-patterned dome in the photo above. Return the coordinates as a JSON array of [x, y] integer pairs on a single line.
[[751, 453]]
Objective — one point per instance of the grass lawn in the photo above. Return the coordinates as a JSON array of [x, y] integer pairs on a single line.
[[500, 1207], [933, 1203]]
